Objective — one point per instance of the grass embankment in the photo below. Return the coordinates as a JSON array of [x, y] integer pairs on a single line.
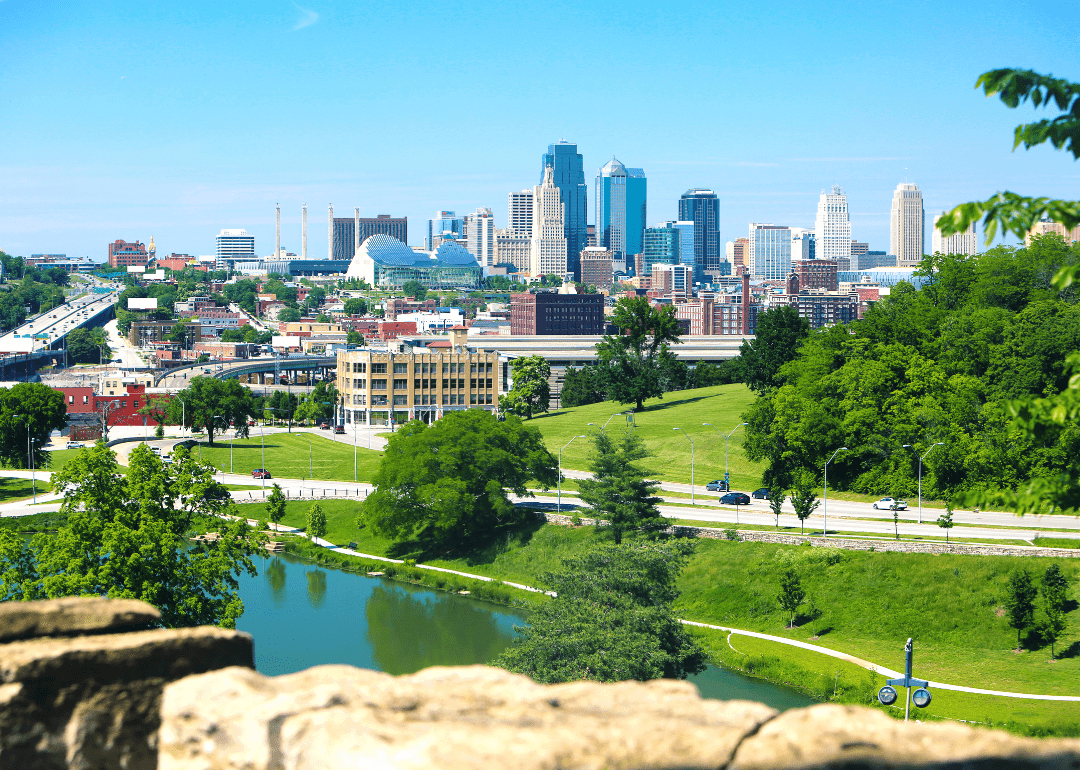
[[870, 604], [287, 456], [12, 489]]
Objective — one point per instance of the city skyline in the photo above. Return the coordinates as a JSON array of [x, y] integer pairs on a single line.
[[327, 121]]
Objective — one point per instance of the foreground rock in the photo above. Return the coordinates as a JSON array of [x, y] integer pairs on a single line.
[[84, 691], [480, 717]]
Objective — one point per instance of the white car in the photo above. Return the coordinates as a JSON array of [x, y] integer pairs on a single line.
[[890, 504], [74, 445]]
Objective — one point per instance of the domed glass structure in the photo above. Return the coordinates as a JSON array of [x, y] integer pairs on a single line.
[[384, 261]]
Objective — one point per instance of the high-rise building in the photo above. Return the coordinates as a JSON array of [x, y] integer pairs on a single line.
[[620, 209], [447, 225], [596, 267], [346, 236], [803, 244], [569, 176], [235, 244], [857, 251], [673, 280], [907, 225], [966, 242], [123, 254], [636, 209], [547, 254], [480, 238], [832, 228], [512, 248], [520, 212], [702, 207], [663, 246], [738, 252], [770, 251], [1046, 226]]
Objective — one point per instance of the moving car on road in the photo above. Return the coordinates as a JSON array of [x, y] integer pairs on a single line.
[[735, 498], [716, 486], [890, 504], [761, 494], [261, 473], [74, 445]]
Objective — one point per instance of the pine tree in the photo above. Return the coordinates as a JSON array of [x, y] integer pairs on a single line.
[[619, 491]]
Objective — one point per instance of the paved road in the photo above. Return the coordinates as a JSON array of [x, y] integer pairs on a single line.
[[59, 321], [129, 356]]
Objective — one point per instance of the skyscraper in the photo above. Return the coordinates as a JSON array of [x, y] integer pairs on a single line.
[[966, 242], [446, 224], [235, 244], [547, 253], [520, 212], [738, 252], [906, 225], [662, 247], [770, 251], [569, 176], [348, 231], [636, 204], [832, 229], [480, 226], [803, 244], [611, 209], [702, 207]]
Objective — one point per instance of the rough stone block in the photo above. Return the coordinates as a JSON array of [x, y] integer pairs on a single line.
[[74, 615]]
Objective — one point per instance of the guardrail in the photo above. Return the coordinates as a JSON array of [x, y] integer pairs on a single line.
[[233, 370]]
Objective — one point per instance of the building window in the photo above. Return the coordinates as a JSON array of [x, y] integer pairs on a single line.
[[487, 397], [71, 399], [461, 384], [453, 398], [123, 404], [473, 369], [401, 368], [359, 368], [401, 384], [488, 385], [446, 368], [85, 400], [378, 384], [472, 384], [416, 384], [401, 400], [445, 398], [472, 398], [378, 368], [445, 384], [135, 403]]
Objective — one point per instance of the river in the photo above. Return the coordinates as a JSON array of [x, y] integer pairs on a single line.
[[302, 616]]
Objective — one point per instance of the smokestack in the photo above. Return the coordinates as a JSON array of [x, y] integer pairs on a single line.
[[303, 244], [745, 300], [330, 233], [277, 232], [356, 230]]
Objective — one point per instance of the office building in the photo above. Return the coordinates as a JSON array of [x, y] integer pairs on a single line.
[[590, 235], [547, 254], [673, 280], [815, 274], [663, 246], [620, 209], [871, 260], [907, 225], [123, 254], [553, 313], [512, 248], [235, 245], [520, 212], [822, 309], [597, 267], [738, 252], [770, 251], [385, 262], [803, 244], [568, 173], [447, 225], [378, 386], [857, 251], [1046, 226], [832, 228], [702, 207], [480, 236], [350, 231], [966, 242]]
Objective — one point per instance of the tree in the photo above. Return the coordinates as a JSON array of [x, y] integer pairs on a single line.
[[611, 620], [791, 594], [356, 306], [235, 335], [804, 497], [288, 315], [776, 505], [29, 412], [275, 504], [127, 537], [618, 490], [177, 333], [945, 522], [1054, 589], [779, 334], [1020, 602], [634, 359], [582, 386], [895, 521], [86, 346], [354, 338], [157, 409], [531, 392], [450, 479], [323, 318], [206, 401], [416, 290], [316, 522]]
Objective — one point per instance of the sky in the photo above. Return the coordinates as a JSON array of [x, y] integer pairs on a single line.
[[177, 119]]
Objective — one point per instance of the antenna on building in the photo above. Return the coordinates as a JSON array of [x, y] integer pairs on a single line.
[[303, 228]]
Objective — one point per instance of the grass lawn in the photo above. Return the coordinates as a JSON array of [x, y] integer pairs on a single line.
[[287, 457], [12, 490]]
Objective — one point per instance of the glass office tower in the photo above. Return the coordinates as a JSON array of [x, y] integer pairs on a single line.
[[661, 246], [569, 176], [620, 209], [702, 207]]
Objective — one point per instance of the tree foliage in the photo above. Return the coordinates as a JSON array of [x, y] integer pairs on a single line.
[[356, 306], [275, 504], [316, 522], [611, 620], [450, 479], [127, 537], [637, 358], [209, 403], [415, 289], [29, 412], [618, 490], [583, 386], [1020, 602], [1054, 589], [779, 334], [791, 594], [530, 393], [804, 496], [86, 346]]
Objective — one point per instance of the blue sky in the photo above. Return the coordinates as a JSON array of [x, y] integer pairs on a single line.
[[131, 119]]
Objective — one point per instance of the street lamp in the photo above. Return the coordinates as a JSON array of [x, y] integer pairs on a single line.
[[928, 451], [691, 463], [609, 419], [727, 478], [825, 507], [568, 443], [29, 454], [226, 423]]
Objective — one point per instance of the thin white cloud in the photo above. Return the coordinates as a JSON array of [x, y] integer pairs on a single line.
[[307, 17]]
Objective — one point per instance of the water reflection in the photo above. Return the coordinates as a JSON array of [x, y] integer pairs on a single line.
[[316, 587], [410, 628], [275, 576]]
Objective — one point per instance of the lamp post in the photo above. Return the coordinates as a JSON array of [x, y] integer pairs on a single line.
[[183, 413], [568, 443], [609, 419], [727, 478], [825, 507], [691, 463], [29, 454], [222, 418], [928, 451]]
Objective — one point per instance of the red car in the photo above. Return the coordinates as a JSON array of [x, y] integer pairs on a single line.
[[339, 429], [325, 426], [261, 473]]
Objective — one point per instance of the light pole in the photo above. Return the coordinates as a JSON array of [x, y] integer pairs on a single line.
[[691, 463], [609, 419], [568, 443], [29, 454], [225, 422], [928, 451], [183, 413], [825, 507], [727, 478]]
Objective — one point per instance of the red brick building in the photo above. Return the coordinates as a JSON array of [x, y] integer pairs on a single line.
[[123, 254], [544, 313]]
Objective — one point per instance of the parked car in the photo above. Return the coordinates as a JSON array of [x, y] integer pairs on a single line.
[[889, 504], [339, 429], [156, 450], [735, 498], [761, 494], [716, 486], [326, 426], [261, 473], [74, 445]]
